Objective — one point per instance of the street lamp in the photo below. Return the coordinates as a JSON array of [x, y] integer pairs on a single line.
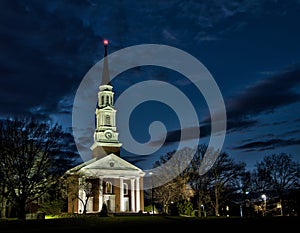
[[264, 197], [152, 201], [204, 213], [244, 202]]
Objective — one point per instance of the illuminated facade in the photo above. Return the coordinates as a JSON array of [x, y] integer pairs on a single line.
[[106, 178]]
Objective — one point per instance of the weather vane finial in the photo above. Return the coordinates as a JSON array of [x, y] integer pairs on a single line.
[[105, 42]]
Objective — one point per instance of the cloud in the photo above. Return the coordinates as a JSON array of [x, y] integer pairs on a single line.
[[134, 159], [291, 132], [168, 35], [265, 96], [175, 135], [47, 47], [42, 58], [267, 144], [235, 125]]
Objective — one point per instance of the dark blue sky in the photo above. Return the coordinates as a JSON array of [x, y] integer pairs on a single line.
[[251, 48]]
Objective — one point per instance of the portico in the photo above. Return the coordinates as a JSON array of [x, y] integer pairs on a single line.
[[110, 180]]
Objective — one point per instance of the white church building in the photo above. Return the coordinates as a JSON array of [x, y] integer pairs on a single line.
[[106, 178]]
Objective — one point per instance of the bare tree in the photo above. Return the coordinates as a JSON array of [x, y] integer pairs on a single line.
[[276, 175], [218, 184], [30, 161], [212, 187], [199, 182], [79, 188], [175, 189], [225, 175]]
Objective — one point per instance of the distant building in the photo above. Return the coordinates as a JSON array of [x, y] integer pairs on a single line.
[[107, 180]]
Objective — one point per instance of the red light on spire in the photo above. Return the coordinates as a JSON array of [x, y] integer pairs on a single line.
[[105, 42]]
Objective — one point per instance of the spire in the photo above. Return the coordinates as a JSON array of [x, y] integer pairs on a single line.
[[106, 134], [105, 73]]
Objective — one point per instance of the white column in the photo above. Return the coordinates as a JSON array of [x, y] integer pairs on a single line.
[[137, 191], [132, 195], [100, 193], [81, 195], [122, 194]]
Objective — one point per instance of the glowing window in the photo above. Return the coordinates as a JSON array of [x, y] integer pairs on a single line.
[[108, 187], [125, 187]]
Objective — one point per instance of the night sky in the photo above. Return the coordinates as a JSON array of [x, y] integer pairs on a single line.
[[251, 48]]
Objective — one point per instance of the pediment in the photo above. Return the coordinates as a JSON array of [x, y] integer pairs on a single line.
[[110, 165], [111, 162]]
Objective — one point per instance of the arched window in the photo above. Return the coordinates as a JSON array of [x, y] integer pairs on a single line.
[[102, 100], [108, 187], [107, 119], [107, 100], [125, 187]]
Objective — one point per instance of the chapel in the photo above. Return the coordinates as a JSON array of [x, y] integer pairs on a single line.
[[106, 180]]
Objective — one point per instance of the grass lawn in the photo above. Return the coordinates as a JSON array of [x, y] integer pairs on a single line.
[[150, 223]]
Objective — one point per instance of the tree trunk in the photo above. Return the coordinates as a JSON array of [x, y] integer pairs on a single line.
[[85, 205], [217, 203], [199, 205], [3, 203], [3, 208], [281, 208], [21, 210], [199, 209]]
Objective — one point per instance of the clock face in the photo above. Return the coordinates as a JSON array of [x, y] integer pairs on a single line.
[[108, 135]]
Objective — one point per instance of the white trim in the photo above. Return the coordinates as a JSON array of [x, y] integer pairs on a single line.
[[100, 193], [107, 144], [122, 209], [132, 195], [137, 191]]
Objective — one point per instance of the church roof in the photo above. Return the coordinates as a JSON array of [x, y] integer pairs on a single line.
[[111, 165]]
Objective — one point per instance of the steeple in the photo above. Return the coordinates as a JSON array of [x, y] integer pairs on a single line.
[[106, 134], [105, 73]]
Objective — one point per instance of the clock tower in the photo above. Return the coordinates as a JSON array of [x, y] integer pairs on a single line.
[[106, 134]]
